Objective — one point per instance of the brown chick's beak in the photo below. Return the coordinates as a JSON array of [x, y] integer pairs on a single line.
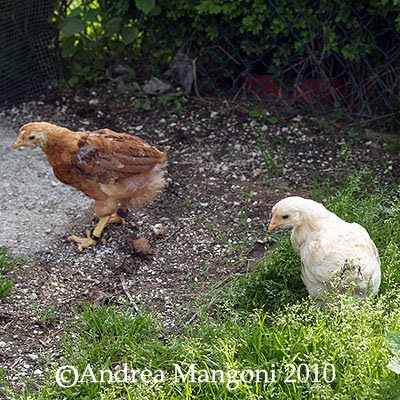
[[16, 145]]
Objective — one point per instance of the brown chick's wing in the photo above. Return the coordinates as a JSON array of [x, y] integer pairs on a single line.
[[106, 156]]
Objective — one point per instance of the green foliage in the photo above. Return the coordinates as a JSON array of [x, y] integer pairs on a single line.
[[5, 391], [143, 105], [92, 33], [95, 33], [349, 335], [47, 316], [6, 264], [393, 340], [6, 285], [273, 155], [257, 113], [145, 5]]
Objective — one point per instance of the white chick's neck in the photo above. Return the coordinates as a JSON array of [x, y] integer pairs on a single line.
[[313, 220]]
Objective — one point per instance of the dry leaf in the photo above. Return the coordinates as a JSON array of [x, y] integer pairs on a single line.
[[258, 250], [140, 245]]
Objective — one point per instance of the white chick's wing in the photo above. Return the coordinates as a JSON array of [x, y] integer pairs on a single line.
[[340, 258], [365, 240]]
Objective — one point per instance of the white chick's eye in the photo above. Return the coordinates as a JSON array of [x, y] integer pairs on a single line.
[[285, 216], [31, 137]]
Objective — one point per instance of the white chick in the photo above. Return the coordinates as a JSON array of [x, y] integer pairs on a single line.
[[335, 255]]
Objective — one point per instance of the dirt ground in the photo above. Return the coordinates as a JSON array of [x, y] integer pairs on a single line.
[[216, 206]]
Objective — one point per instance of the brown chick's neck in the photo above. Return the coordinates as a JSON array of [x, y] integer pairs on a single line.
[[59, 149]]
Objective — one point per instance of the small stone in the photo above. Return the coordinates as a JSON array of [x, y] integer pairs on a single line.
[[33, 357], [159, 229], [3, 344]]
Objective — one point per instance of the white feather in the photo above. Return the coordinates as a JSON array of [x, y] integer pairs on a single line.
[[335, 255]]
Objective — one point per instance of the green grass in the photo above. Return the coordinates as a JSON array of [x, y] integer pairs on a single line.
[[7, 263], [260, 320], [269, 159]]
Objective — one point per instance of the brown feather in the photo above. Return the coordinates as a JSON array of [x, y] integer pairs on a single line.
[[112, 168]]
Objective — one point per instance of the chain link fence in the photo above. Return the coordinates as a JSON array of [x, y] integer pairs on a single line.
[[332, 58]]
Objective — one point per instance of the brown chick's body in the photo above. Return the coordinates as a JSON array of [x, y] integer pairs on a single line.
[[115, 169]]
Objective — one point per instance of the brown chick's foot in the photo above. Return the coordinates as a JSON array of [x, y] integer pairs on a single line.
[[116, 219], [83, 243]]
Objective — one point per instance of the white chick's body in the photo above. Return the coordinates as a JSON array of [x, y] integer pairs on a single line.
[[335, 255]]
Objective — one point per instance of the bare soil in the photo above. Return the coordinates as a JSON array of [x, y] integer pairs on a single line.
[[215, 208]]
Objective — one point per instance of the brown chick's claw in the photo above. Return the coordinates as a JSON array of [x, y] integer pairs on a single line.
[[92, 238], [83, 243]]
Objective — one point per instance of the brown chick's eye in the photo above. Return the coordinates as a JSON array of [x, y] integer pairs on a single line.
[[31, 137], [285, 216]]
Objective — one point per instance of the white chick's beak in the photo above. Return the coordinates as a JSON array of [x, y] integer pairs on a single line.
[[272, 225]]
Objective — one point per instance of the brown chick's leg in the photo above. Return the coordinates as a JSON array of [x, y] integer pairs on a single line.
[[114, 219], [119, 217], [93, 238]]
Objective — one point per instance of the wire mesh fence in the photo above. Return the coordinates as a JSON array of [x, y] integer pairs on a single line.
[[321, 63], [27, 61], [336, 58]]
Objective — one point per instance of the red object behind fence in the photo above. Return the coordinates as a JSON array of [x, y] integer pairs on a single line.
[[304, 91]]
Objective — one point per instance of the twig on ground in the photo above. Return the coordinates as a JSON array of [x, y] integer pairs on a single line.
[[125, 287], [174, 233], [192, 318]]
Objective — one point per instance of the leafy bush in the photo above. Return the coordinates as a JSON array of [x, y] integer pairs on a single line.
[[97, 33], [91, 32]]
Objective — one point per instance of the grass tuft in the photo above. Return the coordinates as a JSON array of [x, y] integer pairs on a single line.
[[7, 263]]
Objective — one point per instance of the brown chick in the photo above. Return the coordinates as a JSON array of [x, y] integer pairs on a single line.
[[117, 170]]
